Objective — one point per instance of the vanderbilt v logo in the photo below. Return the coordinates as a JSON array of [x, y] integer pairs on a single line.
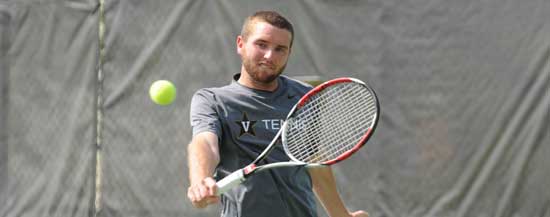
[[247, 126]]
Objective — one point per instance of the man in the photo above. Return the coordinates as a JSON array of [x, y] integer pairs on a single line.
[[234, 123]]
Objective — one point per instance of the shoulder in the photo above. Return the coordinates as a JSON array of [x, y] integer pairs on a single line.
[[296, 85], [212, 92], [205, 97], [203, 94]]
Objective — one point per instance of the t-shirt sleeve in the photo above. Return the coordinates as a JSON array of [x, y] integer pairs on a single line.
[[203, 114]]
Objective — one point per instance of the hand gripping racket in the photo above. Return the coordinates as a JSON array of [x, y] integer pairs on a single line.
[[327, 125]]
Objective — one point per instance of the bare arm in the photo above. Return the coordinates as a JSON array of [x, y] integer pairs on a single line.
[[324, 187], [203, 156]]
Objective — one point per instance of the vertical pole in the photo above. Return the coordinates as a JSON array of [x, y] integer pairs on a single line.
[[99, 111]]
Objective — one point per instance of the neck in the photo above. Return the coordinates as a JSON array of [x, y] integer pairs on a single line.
[[247, 81]]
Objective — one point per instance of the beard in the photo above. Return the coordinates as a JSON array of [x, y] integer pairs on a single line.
[[261, 75]]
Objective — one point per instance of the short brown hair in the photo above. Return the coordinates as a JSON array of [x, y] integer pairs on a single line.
[[271, 17]]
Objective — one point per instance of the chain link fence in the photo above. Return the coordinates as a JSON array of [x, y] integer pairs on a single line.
[[463, 88]]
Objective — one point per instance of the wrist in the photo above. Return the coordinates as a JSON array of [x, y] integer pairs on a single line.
[[198, 179]]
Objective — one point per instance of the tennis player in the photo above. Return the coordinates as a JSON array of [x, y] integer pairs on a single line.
[[233, 124]]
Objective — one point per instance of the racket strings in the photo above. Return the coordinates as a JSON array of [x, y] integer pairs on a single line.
[[331, 123]]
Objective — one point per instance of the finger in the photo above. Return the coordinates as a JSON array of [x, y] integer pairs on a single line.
[[212, 199], [195, 197], [203, 192], [191, 194], [360, 213], [199, 203], [207, 201], [210, 184]]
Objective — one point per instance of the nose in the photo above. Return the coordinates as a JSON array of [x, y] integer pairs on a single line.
[[268, 54]]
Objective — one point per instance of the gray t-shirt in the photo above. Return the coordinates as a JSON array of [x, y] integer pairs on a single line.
[[245, 121]]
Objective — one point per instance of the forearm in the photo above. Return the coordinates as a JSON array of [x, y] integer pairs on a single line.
[[203, 157], [324, 186]]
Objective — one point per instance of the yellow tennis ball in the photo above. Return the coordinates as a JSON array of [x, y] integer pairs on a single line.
[[162, 92]]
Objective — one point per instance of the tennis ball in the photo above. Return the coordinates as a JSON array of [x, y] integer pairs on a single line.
[[162, 92]]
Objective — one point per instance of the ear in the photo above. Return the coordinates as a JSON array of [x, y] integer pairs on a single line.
[[240, 44]]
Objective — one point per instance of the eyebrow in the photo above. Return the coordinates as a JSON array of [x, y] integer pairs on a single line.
[[264, 41], [283, 47]]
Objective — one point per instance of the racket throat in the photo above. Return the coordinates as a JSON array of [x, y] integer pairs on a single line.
[[249, 169], [234, 179]]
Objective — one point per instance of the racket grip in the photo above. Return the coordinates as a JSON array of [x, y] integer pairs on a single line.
[[230, 181]]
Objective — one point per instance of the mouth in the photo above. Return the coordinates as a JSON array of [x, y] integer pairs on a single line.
[[267, 65]]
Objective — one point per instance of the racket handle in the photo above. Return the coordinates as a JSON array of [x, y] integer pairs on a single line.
[[230, 181]]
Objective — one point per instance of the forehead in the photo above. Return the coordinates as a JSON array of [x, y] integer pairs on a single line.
[[260, 30]]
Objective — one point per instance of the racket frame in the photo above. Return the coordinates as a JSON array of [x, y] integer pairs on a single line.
[[320, 88], [239, 176]]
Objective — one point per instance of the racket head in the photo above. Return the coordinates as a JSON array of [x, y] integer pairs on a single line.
[[331, 122]]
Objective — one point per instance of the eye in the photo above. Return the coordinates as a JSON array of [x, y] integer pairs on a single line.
[[280, 50], [262, 45]]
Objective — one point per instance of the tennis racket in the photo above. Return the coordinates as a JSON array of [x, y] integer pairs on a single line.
[[327, 125]]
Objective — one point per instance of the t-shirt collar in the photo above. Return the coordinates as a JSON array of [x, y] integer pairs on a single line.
[[280, 87]]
